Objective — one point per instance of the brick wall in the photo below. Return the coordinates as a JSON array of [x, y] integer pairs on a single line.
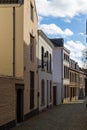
[[7, 100]]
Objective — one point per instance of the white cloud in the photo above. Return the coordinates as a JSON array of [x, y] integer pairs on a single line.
[[82, 34], [68, 32], [61, 8], [76, 48], [53, 29], [67, 20], [40, 18]]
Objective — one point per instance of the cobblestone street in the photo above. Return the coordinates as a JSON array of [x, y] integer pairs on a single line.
[[69, 116]]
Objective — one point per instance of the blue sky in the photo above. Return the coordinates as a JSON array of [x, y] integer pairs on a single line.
[[66, 19]]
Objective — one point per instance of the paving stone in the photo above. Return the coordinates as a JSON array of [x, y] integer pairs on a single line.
[[69, 116]]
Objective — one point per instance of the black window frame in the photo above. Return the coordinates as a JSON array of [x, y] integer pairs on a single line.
[[42, 57], [32, 39]]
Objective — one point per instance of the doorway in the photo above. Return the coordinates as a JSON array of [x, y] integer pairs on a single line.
[[54, 95], [47, 94], [19, 106], [31, 89]]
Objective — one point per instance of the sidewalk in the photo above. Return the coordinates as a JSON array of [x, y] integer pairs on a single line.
[[72, 116]]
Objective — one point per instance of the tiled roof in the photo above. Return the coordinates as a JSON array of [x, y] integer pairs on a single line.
[[11, 1], [58, 42]]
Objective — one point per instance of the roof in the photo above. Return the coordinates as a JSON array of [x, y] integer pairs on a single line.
[[11, 1], [41, 33], [58, 42]]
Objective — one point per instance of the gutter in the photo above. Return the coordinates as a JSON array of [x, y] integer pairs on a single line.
[[13, 41]]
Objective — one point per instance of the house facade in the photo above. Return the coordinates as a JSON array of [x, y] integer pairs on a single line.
[[77, 81], [30, 59], [66, 78], [60, 71], [45, 71], [82, 82], [18, 62], [74, 80], [11, 61]]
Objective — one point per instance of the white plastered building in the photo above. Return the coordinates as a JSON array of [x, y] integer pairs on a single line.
[[45, 94]]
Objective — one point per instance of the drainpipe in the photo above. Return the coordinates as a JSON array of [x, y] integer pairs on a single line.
[[13, 41]]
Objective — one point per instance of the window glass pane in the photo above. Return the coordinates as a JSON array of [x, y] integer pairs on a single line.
[[31, 48]]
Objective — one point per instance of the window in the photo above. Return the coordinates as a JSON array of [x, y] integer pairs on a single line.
[[81, 80], [66, 91], [66, 57], [70, 77], [73, 77], [31, 12], [42, 57], [47, 61], [42, 92], [50, 62], [66, 72], [77, 78], [74, 91], [31, 48]]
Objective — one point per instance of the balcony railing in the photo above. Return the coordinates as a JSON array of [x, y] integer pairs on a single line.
[[11, 1]]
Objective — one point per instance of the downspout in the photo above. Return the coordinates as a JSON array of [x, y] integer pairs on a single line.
[[13, 41]]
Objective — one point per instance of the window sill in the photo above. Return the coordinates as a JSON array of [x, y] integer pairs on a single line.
[[49, 72]]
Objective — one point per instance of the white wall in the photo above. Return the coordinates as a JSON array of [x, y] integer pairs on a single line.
[[58, 72], [65, 63], [43, 74], [57, 65]]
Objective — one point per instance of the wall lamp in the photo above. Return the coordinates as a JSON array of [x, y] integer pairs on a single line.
[[45, 58]]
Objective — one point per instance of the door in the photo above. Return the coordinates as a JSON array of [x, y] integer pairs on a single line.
[[31, 89], [19, 106], [47, 94], [71, 93], [54, 95]]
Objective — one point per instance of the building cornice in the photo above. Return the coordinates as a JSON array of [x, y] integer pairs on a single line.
[[78, 71], [63, 48], [9, 5], [41, 33], [68, 51]]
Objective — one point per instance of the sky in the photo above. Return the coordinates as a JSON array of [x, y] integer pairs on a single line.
[[65, 19]]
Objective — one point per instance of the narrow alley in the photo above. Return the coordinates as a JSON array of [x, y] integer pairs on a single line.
[[69, 116]]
